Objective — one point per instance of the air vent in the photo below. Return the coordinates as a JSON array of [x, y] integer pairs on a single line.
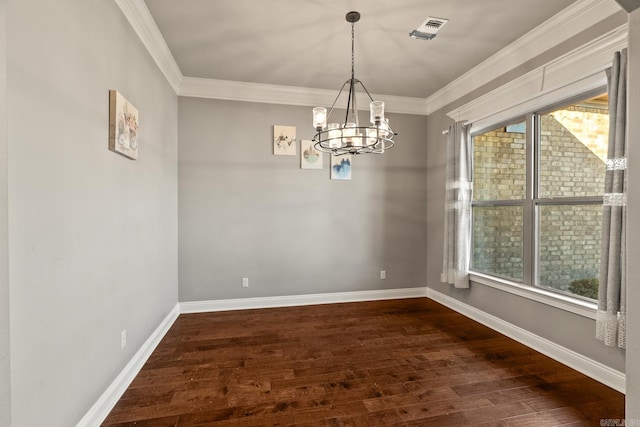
[[429, 28]]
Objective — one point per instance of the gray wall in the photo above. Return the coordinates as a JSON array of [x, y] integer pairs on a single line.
[[244, 212], [5, 373], [92, 234], [572, 331], [93, 242], [633, 231]]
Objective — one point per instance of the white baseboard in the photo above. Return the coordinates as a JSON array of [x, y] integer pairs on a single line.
[[298, 300], [99, 411], [112, 394], [596, 370]]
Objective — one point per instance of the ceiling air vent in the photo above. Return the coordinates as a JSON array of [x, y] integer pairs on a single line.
[[429, 28]]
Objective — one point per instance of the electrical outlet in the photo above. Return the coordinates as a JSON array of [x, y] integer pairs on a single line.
[[245, 282], [123, 339], [383, 274]]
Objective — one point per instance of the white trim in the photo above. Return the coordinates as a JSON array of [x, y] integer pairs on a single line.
[[100, 410], [566, 303], [142, 21], [576, 72], [594, 369], [299, 300], [288, 95], [143, 24], [103, 406], [532, 104], [569, 22], [574, 19]]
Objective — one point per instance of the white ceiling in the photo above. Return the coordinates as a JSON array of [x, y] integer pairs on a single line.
[[306, 43]]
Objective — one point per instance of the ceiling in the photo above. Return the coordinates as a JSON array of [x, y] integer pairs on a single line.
[[306, 43]]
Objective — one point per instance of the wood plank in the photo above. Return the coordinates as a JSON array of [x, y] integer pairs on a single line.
[[406, 362]]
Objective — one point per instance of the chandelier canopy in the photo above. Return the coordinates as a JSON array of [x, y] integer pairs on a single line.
[[349, 137]]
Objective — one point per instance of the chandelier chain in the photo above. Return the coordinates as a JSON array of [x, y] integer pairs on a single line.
[[353, 44]]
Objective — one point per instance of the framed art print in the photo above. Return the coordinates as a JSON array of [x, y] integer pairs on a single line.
[[341, 167], [123, 126], [284, 140], [310, 158]]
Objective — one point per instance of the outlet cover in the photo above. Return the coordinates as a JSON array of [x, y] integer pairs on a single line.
[[245, 282]]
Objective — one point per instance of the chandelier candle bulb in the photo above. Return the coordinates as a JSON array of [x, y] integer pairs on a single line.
[[372, 135], [348, 133], [319, 118], [357, 141], [376, 109], [334, 135]]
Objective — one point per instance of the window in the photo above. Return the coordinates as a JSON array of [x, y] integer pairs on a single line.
[[538, 183]]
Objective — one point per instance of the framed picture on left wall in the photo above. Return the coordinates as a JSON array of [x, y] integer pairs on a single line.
[[123, 126]]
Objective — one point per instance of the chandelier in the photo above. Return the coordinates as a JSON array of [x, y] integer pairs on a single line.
[[350, 137]]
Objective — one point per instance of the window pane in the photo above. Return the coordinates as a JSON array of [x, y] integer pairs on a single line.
[[573, 149], [499, 166], [569, 248], [497, 240]]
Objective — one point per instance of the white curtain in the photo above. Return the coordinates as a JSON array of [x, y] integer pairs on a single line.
[[611, 314], [457, 214]]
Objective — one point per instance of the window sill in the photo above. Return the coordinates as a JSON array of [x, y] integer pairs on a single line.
[[576, 306]]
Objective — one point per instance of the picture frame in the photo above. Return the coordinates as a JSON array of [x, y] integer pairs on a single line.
[[341, 167], [123, 126], [284, 140], [310, 158]]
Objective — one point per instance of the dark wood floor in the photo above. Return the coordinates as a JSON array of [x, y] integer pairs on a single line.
[[406, 362]]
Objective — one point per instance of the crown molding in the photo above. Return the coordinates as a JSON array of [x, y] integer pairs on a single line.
[[145, 26], [567, 23], [140, 18], [287, 95], [574, 73], [254, 92], [574, 19]]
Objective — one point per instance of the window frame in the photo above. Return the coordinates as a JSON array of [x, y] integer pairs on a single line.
[[531, 204], [504, 202]]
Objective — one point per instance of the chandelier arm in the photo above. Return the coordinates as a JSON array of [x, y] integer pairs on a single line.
[[354, 104], [365, 90], [349, 101], [336, 100]]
